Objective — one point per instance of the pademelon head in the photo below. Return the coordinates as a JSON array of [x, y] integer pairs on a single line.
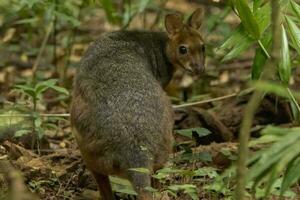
[[185, 46]]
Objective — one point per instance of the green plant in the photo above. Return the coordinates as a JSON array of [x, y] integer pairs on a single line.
[[279, 51], [255, 29], [124, 16], [34, 94]]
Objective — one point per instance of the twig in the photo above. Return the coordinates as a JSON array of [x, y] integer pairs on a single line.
[[43, 46], [205, 101], [42, 115]]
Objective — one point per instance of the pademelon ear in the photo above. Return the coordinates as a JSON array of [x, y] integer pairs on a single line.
[[195, 20], [173, 23]]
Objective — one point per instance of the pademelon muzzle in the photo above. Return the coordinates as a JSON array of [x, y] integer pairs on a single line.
[[197, 68]]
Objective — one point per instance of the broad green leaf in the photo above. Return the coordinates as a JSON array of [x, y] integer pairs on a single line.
[[44, 85], [22, 132], [294, 33], [296, 8], [291, 175], [189, 132], [206, 171], [263, 17], [60, 89], [26, 90], [285, 63], [247, 18], [189, 189], [121, 185], [260, 57]]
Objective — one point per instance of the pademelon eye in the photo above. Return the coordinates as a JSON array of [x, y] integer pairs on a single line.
[[183, 50], [203, 48]]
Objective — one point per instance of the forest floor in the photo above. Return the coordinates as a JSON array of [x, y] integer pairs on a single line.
[[57, 171]]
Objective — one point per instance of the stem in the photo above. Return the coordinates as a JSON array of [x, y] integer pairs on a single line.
[[34, 136], [43, 46], [269, 73], [204, 101], [264, 49], [293, 99], [243, 142], [54, 38]]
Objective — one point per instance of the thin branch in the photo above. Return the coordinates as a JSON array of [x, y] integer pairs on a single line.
[[205, 101], [42, 115], [42, 49]]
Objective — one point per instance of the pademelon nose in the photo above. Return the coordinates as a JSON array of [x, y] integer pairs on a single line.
[[198, 68]]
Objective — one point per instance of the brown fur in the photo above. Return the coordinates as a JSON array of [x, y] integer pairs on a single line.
[[120, 115]]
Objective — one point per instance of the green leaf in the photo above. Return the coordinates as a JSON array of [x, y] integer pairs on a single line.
[[210, 172], [296, 8], [20, 133], [26, 90], [279, 153], [38, 122], [294, 33], [189, 189], [189, 132], [68, 18], [272, 88], [44, 85], [110, 11], [141, 170], [256, 5], [60, 90], [291, 175], [238, 42], [247, 18], [263, 17], [285, 63], [260, 57], [121, 185]]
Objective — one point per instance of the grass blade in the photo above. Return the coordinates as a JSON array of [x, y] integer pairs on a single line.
[[285, 63], [247, 18], [294, 33]]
